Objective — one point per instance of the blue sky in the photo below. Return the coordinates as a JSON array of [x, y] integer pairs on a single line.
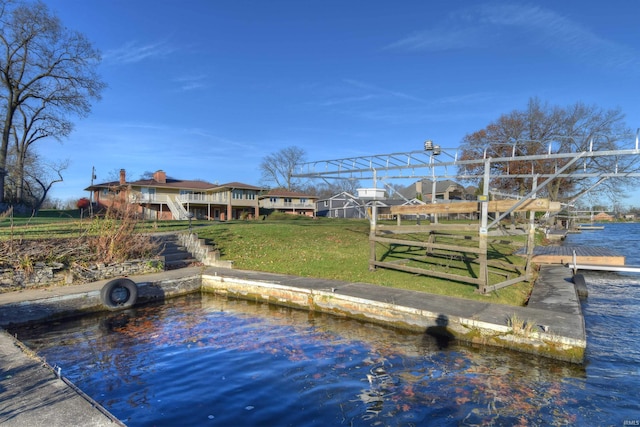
[[205, 89]]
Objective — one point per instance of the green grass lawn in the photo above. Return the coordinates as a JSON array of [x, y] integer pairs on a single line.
[[68, 223], [324, 248], [337, 249]]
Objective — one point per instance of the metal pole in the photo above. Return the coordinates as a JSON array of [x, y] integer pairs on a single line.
[[484, 232], [372, 227], [531, 241], [433, 194]]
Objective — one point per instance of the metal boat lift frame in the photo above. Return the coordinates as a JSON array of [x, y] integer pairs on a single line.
[[441, 163]]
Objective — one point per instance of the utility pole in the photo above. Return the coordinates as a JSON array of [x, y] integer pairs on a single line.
[[93, 176]]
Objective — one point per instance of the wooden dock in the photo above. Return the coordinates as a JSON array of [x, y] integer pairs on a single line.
[[583, 255], [583, 258]]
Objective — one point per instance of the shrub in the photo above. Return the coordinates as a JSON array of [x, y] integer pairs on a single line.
[[113, 236]]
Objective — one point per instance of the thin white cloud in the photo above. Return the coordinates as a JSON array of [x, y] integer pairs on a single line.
[[132, 52], [441, 39], [346, 100], [496, 25], [376, 90], [191, 82]]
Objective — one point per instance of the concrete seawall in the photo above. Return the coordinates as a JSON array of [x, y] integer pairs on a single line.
[[553, 325]]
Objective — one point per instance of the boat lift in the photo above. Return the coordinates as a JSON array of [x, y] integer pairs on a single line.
[[435, 163]]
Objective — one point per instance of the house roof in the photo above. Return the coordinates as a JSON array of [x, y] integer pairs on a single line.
[[174, 183], [281, 192], [340, 196], [238, 185], [171, 183]]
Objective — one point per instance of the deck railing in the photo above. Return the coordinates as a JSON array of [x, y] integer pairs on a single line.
[[203, 198]]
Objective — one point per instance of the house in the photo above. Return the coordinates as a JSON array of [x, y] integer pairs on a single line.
[[444, 190], [603, 216], [346, 205], [342, 205], [291, 202], [162, 198]]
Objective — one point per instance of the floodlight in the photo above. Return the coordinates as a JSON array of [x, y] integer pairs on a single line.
[[428, 145]]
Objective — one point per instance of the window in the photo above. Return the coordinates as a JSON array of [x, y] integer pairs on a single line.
[[273, 199], [303, 200], [236, 194], [148, 194]]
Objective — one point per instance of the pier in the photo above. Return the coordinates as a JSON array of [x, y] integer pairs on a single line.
[[587, 258], [581, 255]]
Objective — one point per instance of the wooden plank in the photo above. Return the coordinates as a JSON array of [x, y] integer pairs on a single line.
[[564, 259], [404, 229], [422, 271], [536, 205], [505, 284], [437, 208], [426, 245]]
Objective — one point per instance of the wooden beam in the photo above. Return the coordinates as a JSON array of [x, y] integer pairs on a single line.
[[426, 245], [436, 208], [404, 229], [535, 205], [433, 273]]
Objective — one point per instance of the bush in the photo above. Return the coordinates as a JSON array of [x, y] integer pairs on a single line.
[[113, 236], [281, 216]]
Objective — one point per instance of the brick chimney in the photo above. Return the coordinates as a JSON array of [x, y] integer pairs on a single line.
[[160, 177], [123, 177]]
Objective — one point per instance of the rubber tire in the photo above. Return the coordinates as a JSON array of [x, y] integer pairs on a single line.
[[112, 295]]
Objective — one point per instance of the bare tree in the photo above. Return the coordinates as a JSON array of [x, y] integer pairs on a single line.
[[279, 167], [43, 178], [325, 190], [533, 130], [42, 64], [38, 178], [34, 124]]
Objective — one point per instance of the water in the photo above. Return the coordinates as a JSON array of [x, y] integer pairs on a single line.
[[210, 361]]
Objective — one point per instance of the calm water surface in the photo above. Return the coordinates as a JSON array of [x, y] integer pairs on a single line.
[[211, 361]]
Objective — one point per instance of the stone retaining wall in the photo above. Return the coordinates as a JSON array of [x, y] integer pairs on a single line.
[[201, 251], [44, 275]]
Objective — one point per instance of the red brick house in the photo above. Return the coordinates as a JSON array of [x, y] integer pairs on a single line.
[[165, 198]]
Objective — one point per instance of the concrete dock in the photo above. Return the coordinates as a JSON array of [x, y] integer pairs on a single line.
[[31, 394]]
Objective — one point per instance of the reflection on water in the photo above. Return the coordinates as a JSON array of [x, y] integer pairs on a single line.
[[207, 360], [197, 360]]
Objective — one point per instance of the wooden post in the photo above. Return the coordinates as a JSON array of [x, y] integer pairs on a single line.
[[531, 241]]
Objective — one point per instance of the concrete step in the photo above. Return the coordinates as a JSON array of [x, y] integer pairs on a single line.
[[175, 255]]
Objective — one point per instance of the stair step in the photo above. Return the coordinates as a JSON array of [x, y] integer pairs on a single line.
[[175, 255]]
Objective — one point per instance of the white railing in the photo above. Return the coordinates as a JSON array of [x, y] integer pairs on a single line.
[[177, 210], [203, 198]]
